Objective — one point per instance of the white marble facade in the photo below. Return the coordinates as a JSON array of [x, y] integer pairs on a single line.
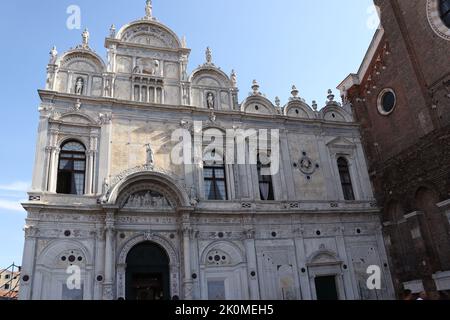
[[266, 249]]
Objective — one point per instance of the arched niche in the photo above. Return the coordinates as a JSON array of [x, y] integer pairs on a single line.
[[234, 255], [53, 262]]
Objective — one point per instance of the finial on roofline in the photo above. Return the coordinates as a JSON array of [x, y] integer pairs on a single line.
[[148, 10]]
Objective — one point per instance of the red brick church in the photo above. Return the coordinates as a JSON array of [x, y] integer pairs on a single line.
[[401, 98]]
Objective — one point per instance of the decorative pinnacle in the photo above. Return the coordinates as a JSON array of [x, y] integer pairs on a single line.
[[294, 92], [183, 42], [330, 96], [277, 102], [208, 55], [314, 105], [85, 36], [255, 87]]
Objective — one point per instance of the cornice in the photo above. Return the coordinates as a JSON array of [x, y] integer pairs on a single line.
[[192, 110]]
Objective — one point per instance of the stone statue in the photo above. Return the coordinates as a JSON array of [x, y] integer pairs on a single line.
[[105, 185], [53, 55], [79, 86], [85, 37], [210, 100], [112, 31], [150, 155], [208, 55], [233, 78], [148, 9]]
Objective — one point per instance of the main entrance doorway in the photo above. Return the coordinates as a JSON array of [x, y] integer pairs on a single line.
[[147, 273]]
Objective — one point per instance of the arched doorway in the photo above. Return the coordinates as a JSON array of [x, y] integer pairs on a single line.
[[147, 273], [436, 227]]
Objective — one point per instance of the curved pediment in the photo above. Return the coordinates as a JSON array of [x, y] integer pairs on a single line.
[[76, 118], [298, 109], [83, 61], [257, 104], [334, 113], [142, 180], [149, 33], [323, 257], [210, 77]]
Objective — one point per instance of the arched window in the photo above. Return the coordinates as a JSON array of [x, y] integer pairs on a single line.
[[265, 181], [444, 10], [346, 181], [214, 177], [71, 169]]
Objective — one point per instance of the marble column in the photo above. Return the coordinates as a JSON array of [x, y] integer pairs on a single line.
[[53, 169], [108, 286], [252, 266], [187, 283], [99, 260]]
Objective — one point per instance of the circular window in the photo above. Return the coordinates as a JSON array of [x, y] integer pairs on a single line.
[[444, 11], [387, 102], [438, 13]]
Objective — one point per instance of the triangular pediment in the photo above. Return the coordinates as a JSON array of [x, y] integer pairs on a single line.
[[340, 142]]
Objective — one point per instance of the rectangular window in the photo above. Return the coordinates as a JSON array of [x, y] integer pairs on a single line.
[[216, 290], [215, 183], [346, 181], [265, 181], [6, 286]]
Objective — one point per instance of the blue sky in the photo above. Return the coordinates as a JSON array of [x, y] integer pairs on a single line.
[[312, 44]]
